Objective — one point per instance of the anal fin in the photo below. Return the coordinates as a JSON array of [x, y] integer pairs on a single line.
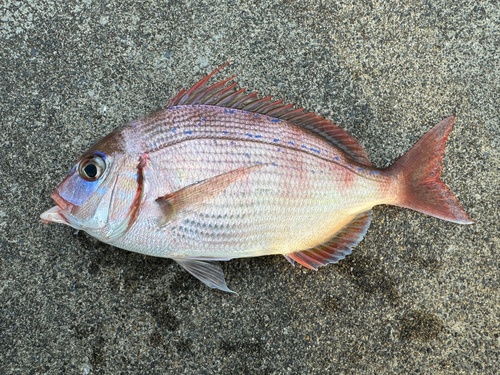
[[337, 248], [208, 272]]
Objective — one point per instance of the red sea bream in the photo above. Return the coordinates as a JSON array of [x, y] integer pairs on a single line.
[[221, 174]]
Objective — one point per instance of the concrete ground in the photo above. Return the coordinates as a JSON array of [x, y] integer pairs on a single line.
[[418, 295]]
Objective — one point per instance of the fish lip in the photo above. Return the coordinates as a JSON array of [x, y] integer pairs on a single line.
[[63, 204], [53, 215], [56, 213]]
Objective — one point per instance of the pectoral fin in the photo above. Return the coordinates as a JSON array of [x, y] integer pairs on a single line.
[[208, 272], [337, 247], [200, 192]]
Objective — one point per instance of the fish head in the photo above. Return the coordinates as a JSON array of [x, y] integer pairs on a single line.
[[84, 197]]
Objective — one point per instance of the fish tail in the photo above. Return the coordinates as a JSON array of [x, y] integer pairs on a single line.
[[418, 171]]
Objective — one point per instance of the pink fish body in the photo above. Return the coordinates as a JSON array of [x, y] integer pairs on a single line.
[[220, 174]]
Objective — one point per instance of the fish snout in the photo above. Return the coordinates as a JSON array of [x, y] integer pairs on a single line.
[[55, 214]]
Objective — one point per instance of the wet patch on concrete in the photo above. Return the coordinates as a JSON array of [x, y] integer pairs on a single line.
[[369, 275], [420, 325]]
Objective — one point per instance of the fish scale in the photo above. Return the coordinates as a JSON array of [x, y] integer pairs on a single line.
[[220, 174]]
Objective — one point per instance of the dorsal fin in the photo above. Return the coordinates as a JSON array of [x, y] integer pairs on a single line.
[[231, 97], [337, 247]]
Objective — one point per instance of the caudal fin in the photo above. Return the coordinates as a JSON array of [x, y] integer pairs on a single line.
[[418, 174]]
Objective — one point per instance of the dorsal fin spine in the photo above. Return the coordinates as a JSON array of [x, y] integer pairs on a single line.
[[254, 106], [221, 94], [172, 101], [266, 109], [276, 112], [230, 99], [200, 85], [209, 92], [241, 102]]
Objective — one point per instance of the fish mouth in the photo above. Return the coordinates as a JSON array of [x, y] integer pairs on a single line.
[[55, 214]]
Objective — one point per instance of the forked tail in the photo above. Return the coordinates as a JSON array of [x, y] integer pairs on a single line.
[[418, 174]]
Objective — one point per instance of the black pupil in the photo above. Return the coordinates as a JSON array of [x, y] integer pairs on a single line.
[[90, 170]]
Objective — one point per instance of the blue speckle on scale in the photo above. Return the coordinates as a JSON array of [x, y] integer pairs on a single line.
[[276, 120], [360, 169], [336, 158], [258, 136], [203, 119], [291, 143], [304, 146], [275, 164], [256, 116], [173, 130], [247, 155], [188, 131], [249, 135], [275, 140], [224, 132], [279, 149]]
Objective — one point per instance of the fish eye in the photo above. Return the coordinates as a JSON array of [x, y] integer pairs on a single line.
[[92, 168]]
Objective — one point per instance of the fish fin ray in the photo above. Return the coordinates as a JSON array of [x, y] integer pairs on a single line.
[[232, 97], [418, 173], [200, 192], [208, 272], [292, 262], [336, 248]]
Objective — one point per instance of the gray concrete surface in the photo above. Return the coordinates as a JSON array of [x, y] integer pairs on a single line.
[[418, 295]]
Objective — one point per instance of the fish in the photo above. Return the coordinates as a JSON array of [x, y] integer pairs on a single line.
[[221, 174]]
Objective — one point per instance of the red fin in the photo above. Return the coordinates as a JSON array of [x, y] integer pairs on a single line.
[[199, 192], [337, 247], [418, 172], [231, 97]]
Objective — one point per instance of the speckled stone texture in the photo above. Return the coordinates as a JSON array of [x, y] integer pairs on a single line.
[[418, 295]]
